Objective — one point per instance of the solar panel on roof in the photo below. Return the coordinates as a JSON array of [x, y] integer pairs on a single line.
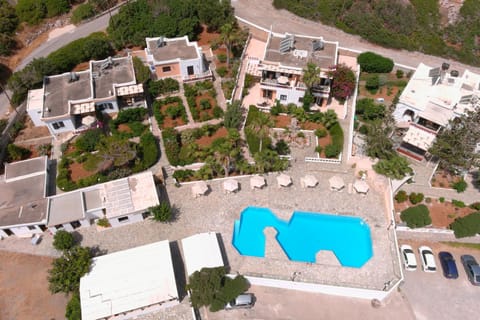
[[286, 44], [435, 72]]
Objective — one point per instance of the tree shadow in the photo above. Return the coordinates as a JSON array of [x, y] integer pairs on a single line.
[[77, 237], [476, 179], [96, 251]]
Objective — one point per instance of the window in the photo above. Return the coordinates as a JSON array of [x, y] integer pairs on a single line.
[[58, 125], [32, 228], [283, 97], [166, 69], [300, 100], [123, 219]]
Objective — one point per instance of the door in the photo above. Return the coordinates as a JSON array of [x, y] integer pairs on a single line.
[[190, 70]]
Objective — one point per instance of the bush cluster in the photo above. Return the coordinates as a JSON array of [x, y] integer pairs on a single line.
[[374, 63], [416, 197], [460, 186], [163, 86], [467, 226], [401, 196], [416, 217]]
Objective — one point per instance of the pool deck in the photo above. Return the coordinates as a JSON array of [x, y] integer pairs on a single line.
[[217, 212]]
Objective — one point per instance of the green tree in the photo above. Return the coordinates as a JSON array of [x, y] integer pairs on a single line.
[[416, 217], [395, 168], [68, 269], [74, 310], [344, 82], [82, 12], [228, 36], [330, 118], [311, 75], [119, 151], [7, 44], [17, 152], [87, 142], [8, 17], [467, 226], [56, 7], [215, 13], [233, 115], [374, 63], [261, 125], [161, 212], [211, 287], [455, 145], [142, 72], [97, 48], [31, 11], [63, 240], [378, 142]]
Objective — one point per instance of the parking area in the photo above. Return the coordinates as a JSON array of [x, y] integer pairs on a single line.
[[432, 296], [280, 304]]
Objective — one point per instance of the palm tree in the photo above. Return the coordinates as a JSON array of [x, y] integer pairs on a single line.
[[228, 37], [261, 126], [330, 118], [311, 75]]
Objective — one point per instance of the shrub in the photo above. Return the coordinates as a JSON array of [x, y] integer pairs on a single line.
[[222, 71], [282, 147], [318, 149], [233, 115], [16, 153], [222, 57], [320, 133], [460, 186], [82, 12], [172, 146], [441, 199], [130, 115], [374, 111], [475, 206], [395, 168], [336, 133], [363, 129], [161, 212], [217, 112], [399, 74], [467, 226], [415, 197], [428, 200], [163, 86], [458, 203], [56, 7], [374, 63], [74, 310], [149, 150], [332, 151], [183, 175], [87, 142], [373, 82], [63, 240], [401, 196], [31, 11], [103, 222], [416, 217]]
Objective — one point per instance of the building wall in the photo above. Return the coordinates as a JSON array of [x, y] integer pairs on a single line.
[[197, 64], [400, 110], [36, 115], [293, 95], [68, 126], [23, 231], [132, 218], [174, 72]]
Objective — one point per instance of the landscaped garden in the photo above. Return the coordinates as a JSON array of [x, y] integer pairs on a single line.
[[95, 156], [419, 211], [170, 112], [201, 101], [294, 119]]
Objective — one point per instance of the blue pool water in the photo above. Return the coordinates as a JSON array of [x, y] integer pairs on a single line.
[[305, 235]]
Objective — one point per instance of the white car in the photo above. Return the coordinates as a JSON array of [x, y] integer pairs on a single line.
[[409, 260], [428, 260]]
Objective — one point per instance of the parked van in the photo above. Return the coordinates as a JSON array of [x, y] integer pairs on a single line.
[[245, 300]]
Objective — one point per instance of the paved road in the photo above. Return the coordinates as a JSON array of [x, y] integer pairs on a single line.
[[263, 14], [78, 32]]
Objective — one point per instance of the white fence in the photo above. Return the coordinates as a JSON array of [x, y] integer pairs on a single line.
[[324, 160]]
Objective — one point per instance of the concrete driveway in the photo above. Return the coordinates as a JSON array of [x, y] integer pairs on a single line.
[[280, 304], [432, 296]]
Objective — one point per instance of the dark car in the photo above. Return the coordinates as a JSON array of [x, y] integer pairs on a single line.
[[472, 269], [448, 265]]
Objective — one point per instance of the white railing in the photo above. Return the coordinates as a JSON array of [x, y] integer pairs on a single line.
[[324, 160]]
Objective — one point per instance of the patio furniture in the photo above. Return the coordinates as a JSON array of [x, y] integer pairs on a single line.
[[309, 181], [257, 182], [230, 185], [199, 188], [284, 180], [336, 183], [361, 186]]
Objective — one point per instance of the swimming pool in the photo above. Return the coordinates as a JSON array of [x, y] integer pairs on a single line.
[[305, 235]]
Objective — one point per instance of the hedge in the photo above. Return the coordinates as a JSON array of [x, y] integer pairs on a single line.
[[416, 217], [467, 226], [149, 150], [336, 133], [171, 142], [374, 63]]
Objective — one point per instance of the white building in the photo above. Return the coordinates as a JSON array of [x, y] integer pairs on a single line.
[[433, 97], [176, 58], [23, 203], [68, 102], [284, 60], [121, 201], [129, 283], [201, 251]]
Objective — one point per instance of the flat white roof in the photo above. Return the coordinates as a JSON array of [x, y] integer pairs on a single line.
[[201, 251], [128, 280], [35, 99]]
